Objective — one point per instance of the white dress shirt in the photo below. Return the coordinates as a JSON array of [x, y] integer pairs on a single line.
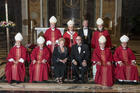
[[79, 49], [85, 30]]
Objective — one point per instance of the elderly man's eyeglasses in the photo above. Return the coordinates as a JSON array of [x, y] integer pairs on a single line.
[[78, 39]]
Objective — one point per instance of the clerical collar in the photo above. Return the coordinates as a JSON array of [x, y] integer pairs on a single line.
[[17, 46], [101, 29], [40, 48], [124, 48], [71, 31]]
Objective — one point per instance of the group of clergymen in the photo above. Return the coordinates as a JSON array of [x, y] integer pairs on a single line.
[[73, 48]]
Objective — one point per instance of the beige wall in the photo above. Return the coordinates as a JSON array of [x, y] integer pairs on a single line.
[[109, 8], [35, 11], [25, 21], [108, 11]]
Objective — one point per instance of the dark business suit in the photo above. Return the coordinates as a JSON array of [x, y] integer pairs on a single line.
[[79, 57], [86, 40]]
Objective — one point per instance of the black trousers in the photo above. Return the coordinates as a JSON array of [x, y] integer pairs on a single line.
[[59, 69], [79, 71]]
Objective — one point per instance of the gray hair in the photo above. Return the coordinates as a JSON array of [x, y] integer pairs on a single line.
[[61, 39]]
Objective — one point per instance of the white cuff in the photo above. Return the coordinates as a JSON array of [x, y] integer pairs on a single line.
[[21, 60], [119, 62], [48, 42], [134, 80], [11, 60], [133, 61], [95, 28], [45, 60], [94, 62], [56, 41], [73, 60], [34, 60]]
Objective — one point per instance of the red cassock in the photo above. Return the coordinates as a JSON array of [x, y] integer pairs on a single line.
[[16, 71], [95, 38], [104, 74], [127, 71], [67, 36], [39, 71], [52, 36]]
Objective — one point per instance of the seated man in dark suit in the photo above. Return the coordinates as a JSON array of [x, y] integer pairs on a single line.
[[80, 58]]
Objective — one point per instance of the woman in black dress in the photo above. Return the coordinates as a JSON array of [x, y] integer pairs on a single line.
[[59, 59]]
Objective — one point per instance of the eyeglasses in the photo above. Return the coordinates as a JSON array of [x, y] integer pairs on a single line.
[[78, 39]]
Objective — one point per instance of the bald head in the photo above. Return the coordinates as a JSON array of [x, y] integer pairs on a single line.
[[78, 37]]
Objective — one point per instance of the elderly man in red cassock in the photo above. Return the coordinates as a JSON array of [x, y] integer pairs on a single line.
[[103, 58], [52, 35], [99, 32], [15, 68], [39, 67], [70, 35], [126, 70], [96, 35]]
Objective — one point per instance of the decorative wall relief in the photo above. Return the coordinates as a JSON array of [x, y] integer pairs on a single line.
[[71, 10]]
